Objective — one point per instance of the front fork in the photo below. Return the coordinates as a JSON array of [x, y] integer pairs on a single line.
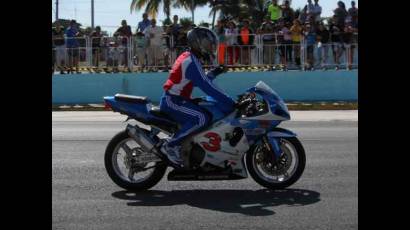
[[273, 145]]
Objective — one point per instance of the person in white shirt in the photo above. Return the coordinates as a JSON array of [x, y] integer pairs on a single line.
[[154, 36], [231, 34]]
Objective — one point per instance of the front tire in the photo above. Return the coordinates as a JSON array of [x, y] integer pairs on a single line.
[[258, 164], [112, 167]]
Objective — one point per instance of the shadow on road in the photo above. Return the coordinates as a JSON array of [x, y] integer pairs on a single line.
[[247, 202]]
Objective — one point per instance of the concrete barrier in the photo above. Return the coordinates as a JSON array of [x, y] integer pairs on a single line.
[[290, 85]]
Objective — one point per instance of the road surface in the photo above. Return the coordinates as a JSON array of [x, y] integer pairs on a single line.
[[325, 197]]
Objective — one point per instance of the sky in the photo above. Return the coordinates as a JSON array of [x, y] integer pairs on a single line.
[[109, 13]]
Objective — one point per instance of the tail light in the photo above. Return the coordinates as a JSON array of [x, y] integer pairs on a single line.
[[107, 106]]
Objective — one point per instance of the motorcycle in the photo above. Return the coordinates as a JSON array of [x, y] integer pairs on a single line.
[[244, 141]]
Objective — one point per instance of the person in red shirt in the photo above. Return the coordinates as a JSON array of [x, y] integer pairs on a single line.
[[187, 73], [245, 40]]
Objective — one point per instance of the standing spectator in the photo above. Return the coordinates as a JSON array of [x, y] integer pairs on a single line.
[[220, 33], [296, 34], [113, 55], [310, 37], [175, 30], [154, 34], [340, 15], [274, 11], [353, 13], [323, 37], [231, 34], [142, 25], [182, 40], [288, 14], [269, 41], [73, 46], [96, 45], [303, 15], [59, 46], [140, 45], [245, 39], [336, 38], [347, 38], [280, 42], [286, 48], [309, 8], [316, 11], [124, 32], [166, 46]]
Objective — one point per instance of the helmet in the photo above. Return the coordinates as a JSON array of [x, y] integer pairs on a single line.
[[202, 42]]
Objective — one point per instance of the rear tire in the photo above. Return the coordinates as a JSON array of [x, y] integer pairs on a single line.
[[148, 183], [301, 162]]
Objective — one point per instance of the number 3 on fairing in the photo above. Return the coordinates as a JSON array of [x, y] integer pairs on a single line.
[[214, 143]]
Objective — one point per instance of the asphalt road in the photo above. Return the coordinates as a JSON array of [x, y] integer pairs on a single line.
[[325, 197]]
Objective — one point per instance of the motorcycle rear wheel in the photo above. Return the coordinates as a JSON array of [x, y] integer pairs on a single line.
[[277, 176], [114, 171]]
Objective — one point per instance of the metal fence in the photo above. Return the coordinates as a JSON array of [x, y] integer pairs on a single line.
[[139, 53]]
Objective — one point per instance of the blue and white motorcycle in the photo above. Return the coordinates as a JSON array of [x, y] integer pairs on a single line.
[[245, 141]]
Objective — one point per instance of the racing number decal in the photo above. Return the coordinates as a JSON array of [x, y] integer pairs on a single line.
[[214, 143]]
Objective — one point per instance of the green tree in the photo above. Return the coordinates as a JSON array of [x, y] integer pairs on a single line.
[[87, 30], [255, 10], [152, 6], [185, 22], [187, 4], [204, 24], [167, 21]]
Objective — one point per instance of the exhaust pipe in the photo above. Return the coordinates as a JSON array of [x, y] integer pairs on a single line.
[[146, 143]]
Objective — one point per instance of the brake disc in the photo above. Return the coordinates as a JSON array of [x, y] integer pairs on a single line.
[[281, 166]]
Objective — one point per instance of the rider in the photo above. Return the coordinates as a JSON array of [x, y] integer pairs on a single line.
[[186, 73]]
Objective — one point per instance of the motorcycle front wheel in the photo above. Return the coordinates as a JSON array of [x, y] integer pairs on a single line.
[[119, 159], [284, 172]]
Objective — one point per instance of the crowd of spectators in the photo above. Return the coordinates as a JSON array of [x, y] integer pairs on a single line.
[[284, 30], [282, 33], [152, 45], [65, 42]]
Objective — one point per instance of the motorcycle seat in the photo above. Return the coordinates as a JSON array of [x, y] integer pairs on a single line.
[[131, 98]]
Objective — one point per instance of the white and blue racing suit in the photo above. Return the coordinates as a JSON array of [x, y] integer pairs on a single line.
[[187, 73]]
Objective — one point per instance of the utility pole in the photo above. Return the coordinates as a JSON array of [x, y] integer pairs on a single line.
[[56, 10], [214, 4], [213, 20], [192, 9], [92, 14]]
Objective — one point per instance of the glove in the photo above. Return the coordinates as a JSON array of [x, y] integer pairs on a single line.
[[218, 70], [243, 104]]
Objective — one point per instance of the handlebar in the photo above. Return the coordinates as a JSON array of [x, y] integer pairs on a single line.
[[243, 104]]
